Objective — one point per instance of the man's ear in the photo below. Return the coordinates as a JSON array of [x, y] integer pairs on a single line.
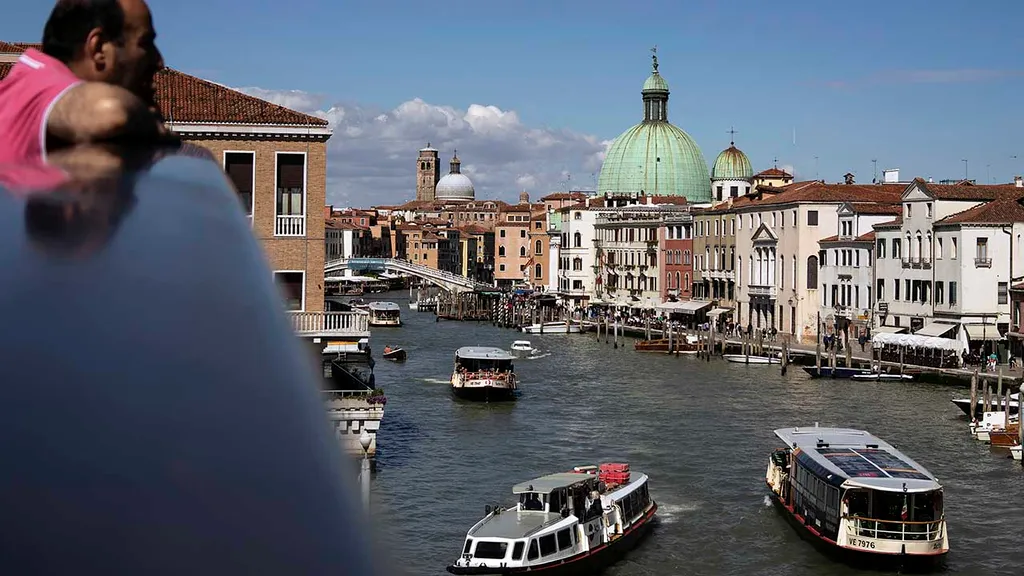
[[96, 49]]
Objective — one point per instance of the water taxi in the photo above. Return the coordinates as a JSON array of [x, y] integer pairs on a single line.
[[858, 497], [565, 327], [385, 314], [484, 373], [522, 348], [577, 522]]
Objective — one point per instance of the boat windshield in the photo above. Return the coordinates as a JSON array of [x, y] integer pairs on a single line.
[[485, 365], [386, 314], [894, 515]]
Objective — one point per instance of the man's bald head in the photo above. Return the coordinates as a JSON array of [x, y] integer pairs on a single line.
[[109, 41]]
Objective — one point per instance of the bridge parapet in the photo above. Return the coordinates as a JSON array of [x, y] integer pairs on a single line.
[[447, 280], [331, 324]]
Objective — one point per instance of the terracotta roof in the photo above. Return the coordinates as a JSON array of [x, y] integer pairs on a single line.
[[1002, 211], [773, 173], [516, 208], [818, 192], [890, 224], [10, 48], [869, 237], [1017, 286], [674, 200], [968, 191], [876, 208], [186, 98], [511, 224], [564, 196]]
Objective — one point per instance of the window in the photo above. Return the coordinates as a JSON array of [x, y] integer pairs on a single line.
[[533, 554], [240, 168], [490, 550], [928, 206], [734, 191], [517, 550], [501, 250], [812, 270], [547, 545], [940, 292], [982, 249], [812, 217], [881, 289], [719, 190], [564, 539], [907, 293], [292, 286], [291, 195], [908, 210], [577, 240], [1002, 293], [952, 248], [522, 251], [501, 267], [538, 247], [938, 248], [952, 293], [501, 233]]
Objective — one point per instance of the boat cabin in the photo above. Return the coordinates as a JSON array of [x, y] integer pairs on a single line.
[[563, 494], [384, 314], [477, 359]]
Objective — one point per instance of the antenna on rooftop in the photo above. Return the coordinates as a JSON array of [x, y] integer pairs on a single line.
[[815, 167], [874, 171]]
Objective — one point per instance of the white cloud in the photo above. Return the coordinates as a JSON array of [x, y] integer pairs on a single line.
[[372, 155]]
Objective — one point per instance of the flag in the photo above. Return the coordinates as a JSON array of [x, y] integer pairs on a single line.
[[904, 513]]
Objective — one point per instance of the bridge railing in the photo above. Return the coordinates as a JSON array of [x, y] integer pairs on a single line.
[[409, 267], [328, 323]]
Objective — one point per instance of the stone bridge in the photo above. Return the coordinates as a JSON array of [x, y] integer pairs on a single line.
[[452, 282]]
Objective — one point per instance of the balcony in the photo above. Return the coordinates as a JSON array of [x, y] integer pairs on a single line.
[[917, 262], [982, 262], [313, 324], [719, 274], [761, 290], [290, 226]]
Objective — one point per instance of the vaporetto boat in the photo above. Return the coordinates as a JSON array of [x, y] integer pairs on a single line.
[[383, 314], [858, 497], [575, 522], [484, 373]]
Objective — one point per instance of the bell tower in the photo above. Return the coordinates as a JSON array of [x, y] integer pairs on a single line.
[[428, 172]]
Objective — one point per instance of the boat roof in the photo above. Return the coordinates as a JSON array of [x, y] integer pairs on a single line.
[[384, 306], [545, 484], [856, 459], [513, 524], [483, 353]]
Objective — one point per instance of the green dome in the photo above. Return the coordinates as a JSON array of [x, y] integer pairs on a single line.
[[655, 83], [655, 157], [732, 164], [658, 159]]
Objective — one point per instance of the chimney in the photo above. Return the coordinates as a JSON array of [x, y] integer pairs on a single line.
[[1018, 181], [891, 176], [930, 180], [848, 178]]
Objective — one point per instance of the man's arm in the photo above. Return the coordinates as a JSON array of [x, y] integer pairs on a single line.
[[94, 111]]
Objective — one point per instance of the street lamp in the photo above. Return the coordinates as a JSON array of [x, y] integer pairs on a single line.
[[364, 471]]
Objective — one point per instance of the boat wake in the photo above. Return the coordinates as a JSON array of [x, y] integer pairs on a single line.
[[537, 356], [672, 513], [767, 501], [436, 380]]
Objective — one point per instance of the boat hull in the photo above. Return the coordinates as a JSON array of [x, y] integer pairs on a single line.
[[593, 562], [838, 372], [552, 328], [484, 393], [854, 557], [396, 355], [964, 404], [741, 359]]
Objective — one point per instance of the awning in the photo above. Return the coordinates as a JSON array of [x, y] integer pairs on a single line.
[[889, 330], [936, 329], [982, 332], [685, 307], [915, 341], [718, 311]]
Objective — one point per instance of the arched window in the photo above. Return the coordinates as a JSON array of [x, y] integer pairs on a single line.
[[812, 272], [686, 280], [538, 247], [501, 250], [577, 240], [522, 251], [679, 286], [538, 271]]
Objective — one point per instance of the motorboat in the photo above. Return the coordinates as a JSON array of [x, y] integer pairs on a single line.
[[687, 344], [385, 314], [395, 353], [522, 348], [998, 404], [859, 498], [484, 373], [1015, 452], [577, 522], [565, 327], [881, 376], [750, 359], [837, 372]]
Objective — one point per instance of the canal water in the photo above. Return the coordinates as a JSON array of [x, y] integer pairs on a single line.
[[701, 430]]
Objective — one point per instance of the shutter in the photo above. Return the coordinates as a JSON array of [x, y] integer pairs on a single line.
[[289, 171]]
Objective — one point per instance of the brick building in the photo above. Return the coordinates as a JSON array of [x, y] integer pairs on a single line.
[[276, 157]]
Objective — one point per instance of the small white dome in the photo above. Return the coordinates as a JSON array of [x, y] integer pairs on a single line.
[[454, 187]]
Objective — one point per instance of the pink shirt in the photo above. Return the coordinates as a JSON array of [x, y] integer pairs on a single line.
[[27, 95]]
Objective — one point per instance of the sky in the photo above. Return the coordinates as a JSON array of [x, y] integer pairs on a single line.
[[531, 93]]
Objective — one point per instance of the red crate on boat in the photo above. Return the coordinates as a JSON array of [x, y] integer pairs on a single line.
[[613, 477], [614, 467]]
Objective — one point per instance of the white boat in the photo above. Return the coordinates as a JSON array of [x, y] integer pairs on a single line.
[[577, 522], [566, 327], [1015, 451], [990, 422], [521, 348], [964, 404], [385, 314], [414, 306], [881, 376], [484, 373], [857, 496], [745, 359]]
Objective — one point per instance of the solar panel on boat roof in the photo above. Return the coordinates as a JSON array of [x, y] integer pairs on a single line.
[[871, 462]]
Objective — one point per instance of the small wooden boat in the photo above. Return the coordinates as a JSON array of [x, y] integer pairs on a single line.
[[1005, 438], [837, 372], [685, 345], [397, 353], [567, 523], [1015, 451], [745, 359]]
